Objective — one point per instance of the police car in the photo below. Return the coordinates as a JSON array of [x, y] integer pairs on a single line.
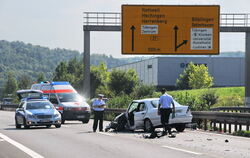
[[66, 100], [35, 110]]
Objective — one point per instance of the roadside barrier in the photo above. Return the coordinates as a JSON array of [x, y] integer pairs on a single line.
[[240, 109], [8, 107], [231, 120], [222, 121]]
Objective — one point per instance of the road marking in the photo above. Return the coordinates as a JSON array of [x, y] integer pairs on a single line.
[[21, 147], [1, 140], [183, 150]]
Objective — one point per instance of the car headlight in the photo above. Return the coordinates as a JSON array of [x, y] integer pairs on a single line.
[[57, 115], [30, 116]]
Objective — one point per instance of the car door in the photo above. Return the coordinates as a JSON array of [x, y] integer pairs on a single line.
[[139, 115], [20, 113]]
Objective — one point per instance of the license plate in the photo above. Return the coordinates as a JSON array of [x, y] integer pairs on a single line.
[[81, 116], [44, 120]]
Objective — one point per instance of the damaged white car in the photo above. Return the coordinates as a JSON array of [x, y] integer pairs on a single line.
[[142, 114]]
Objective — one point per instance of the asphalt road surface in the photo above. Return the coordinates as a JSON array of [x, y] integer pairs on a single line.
[[76, 140]]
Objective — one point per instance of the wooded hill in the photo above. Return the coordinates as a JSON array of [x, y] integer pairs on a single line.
[[28, 59]]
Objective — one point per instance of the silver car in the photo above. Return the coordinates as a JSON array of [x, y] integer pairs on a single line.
[[35, 110], [144, 113]]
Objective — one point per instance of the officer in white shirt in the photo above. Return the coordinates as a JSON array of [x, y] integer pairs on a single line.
[[164, 109], [98, 109]]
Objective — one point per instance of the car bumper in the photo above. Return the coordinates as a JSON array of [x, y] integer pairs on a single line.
[[75, 115], [43, 122]]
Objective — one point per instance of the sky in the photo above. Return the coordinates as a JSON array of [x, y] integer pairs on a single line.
[[59, 23]]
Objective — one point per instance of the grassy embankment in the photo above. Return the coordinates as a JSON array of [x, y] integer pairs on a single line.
[[227, 96]]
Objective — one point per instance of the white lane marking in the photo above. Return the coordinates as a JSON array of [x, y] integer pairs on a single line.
[[21, 147], [183, 150], [1, 140], [103, 133]]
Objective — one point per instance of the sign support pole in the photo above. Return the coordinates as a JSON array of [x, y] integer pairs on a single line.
[[247, 70], [86, 60]]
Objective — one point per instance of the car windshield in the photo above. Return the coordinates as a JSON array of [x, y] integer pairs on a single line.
[[155, 103], [69, 97], [31, 95], [39, 105]]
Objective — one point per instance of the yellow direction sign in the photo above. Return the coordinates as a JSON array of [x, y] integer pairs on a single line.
[[159, 29]]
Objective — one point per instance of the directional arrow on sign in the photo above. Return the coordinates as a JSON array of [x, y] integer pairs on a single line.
[[176, 40], [132, 28]]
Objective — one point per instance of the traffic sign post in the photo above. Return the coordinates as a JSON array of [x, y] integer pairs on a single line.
[[153, 29]]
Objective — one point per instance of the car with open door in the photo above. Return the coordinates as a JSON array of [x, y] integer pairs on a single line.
[[35, 110], [142, 114]]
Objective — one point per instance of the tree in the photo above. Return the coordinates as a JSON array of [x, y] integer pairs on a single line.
[[24, 82], [10, 87], [61, 73], [123, 81], [99, 77], [200, 78], [194, 77], [40, 77], [182, 81]]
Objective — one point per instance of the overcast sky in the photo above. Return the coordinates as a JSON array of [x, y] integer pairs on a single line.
[[58, 23]]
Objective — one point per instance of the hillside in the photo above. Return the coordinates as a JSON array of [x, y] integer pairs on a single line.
[[31, 60]]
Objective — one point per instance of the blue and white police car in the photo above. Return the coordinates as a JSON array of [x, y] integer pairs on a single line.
[[36, 110]]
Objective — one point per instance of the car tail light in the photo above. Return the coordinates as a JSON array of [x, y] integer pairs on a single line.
[[59, 108]]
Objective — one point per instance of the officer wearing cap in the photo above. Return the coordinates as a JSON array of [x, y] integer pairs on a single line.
[[98, 109]]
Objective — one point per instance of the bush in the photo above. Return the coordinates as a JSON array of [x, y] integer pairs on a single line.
[[208, 99], [242, 133], [230, 101], [119, 102], [143, 91]]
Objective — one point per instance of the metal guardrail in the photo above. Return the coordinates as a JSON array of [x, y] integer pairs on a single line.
[[237, 120], [9, 107], [240, 109], [114, 18]]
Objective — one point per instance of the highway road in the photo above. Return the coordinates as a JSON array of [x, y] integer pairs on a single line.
[[76, 140]]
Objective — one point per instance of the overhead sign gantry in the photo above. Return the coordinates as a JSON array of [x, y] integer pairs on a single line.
[[161, 29]]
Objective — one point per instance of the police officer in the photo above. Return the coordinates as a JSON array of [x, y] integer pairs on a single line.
[[164, 109], [98, 109]]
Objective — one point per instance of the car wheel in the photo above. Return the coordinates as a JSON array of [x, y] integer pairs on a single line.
[[63, 121], [17, 125], [48, 126], [180, 128], [25, 124], [85, 121], [58, 126], [148, 126]]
